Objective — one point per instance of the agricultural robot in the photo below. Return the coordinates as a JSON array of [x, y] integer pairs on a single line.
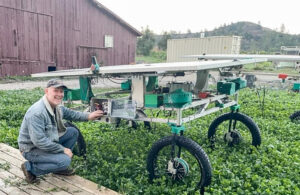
[[176, 157]]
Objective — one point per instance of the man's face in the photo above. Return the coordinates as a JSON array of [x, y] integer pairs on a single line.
[[54, 95]]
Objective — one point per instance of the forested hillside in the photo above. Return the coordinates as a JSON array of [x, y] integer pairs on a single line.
[[255, 38]]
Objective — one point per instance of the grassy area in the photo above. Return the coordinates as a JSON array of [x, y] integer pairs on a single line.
[[147, 59], [154, 57], [269, 67]]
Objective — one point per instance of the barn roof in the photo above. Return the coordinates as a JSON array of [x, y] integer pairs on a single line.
[[116, 17]]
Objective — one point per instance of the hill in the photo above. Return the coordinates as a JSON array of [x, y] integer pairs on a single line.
[[255, 38]]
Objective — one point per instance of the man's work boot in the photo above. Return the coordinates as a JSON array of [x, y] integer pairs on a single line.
[[29, 177], [66, 172]]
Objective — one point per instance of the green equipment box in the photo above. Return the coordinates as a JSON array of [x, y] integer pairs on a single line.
[[239, 83], [225, 87], [178, 98], [72, 94], [126, 85], [296, 86], [153, 100], [84, 93]]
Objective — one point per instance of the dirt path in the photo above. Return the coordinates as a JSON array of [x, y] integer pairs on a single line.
[[69, 83]]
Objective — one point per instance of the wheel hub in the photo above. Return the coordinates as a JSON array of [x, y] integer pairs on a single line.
[[233, 137], [296, 120], [178, 168]]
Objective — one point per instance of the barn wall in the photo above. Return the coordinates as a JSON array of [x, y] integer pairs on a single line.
[[36, 35]]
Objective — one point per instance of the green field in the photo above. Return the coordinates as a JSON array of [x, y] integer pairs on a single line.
[[117, 156]]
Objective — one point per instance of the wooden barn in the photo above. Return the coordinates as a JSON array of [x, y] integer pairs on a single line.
[[46, 35]]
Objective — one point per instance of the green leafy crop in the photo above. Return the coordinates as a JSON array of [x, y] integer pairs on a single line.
[[116, 157]]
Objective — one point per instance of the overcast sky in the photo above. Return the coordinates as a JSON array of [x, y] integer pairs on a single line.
[[198, 15]]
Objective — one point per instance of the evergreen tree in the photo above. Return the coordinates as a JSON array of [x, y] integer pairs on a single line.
[[282, 28], [162, 44], [146, 42]]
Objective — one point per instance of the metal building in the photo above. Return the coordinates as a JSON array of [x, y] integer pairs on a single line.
[[177, 48], [45, 35]]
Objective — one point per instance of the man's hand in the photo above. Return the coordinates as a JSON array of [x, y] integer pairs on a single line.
[[68, 152], [95, 115]]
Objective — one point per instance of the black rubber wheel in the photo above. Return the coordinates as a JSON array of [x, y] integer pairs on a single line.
[[134, 124], [240, 127], [129, 123], [189, 152], [147, 124], [295, 117]]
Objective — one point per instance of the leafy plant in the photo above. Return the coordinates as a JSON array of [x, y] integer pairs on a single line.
[[146, 42], [116, 157], [5, 166]]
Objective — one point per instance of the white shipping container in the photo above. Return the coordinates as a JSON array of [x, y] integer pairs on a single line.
[[177, 48]]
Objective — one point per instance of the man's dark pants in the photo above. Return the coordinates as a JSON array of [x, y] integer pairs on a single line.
[[41, 162]]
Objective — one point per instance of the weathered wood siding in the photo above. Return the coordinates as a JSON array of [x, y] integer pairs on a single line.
[[36, 35]]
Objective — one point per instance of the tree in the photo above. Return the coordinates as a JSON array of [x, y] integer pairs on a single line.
[[282, 28], [146, 42], [163, 42]]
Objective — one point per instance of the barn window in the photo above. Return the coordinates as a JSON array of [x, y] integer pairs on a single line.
[[108, 41]]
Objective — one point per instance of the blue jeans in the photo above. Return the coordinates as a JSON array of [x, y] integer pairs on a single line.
[[41, 162]]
